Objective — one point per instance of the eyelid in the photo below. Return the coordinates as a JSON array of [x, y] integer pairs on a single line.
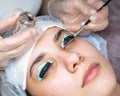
[[58, 35], [40, 68], [38, 59]]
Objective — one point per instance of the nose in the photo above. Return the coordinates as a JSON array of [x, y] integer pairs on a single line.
[[72, 60]]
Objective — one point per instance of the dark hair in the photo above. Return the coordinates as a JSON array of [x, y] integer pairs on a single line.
[[28, 93]]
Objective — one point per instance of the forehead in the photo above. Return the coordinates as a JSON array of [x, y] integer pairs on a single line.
[[53, 29], [45, 42], [49, 35]]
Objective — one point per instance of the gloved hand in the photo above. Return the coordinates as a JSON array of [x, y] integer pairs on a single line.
[[16, 44], [74, 13]]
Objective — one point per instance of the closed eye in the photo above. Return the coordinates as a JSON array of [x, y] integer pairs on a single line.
[[66, 40], [43, 70]]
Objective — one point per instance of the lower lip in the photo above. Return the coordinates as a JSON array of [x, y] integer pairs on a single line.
[[91, 73]]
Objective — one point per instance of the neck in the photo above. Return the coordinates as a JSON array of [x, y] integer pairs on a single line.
[[116, 91]]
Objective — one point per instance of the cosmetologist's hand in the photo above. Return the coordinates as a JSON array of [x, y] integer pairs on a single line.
[[74, 13], [16, 44]]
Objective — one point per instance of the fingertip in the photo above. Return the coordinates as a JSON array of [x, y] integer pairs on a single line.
[[98, 26]]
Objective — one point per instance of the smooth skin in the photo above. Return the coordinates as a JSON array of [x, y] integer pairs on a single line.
[[65, 76]]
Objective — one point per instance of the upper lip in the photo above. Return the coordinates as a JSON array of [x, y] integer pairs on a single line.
[[88, 71]]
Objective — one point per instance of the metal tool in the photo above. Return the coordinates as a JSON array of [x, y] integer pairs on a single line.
[[71, 37]]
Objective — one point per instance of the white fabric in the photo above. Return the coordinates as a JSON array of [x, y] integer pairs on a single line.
[[21, 63], [19, 69], [7, 6], [47, 21]]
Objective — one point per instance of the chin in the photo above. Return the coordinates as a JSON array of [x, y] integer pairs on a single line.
[[104, 84], [102, 88]]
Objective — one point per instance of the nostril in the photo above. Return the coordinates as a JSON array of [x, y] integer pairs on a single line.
[[74, 65], [81, 58]]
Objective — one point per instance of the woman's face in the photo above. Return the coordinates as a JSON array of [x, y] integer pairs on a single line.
[[76, 69]]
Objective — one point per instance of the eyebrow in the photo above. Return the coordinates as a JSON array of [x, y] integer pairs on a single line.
[[58, 35], [38, 59], [41, 56]]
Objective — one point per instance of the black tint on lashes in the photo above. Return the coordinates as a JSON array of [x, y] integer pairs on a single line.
[[45, 69], [68, 39]]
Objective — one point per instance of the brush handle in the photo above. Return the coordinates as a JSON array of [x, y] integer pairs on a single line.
[[88, 21], [71, 37]]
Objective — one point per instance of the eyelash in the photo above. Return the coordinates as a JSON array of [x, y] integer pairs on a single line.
[[42, 70], [65, 40]]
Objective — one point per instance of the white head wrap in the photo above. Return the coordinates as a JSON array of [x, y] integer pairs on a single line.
[[18, 67], [22, 62]]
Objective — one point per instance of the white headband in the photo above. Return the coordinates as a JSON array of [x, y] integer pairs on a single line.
[[21, 63]]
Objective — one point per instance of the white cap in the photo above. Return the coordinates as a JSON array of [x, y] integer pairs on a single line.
[[22, 62]]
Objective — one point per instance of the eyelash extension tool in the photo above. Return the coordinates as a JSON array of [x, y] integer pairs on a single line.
[[71, 37]]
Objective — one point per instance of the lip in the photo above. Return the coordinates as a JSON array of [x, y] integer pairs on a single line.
[[90, 73]]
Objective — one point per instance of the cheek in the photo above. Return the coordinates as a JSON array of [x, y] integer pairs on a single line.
[[83, 47], [62, 84]]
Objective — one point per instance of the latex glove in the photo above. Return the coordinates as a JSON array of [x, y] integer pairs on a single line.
[[74, 13], [16, 44]]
